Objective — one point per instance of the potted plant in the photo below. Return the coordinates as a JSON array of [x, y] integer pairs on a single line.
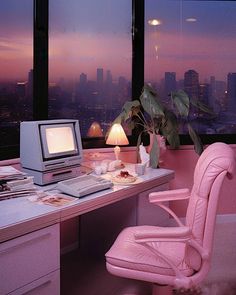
[[150, 115]]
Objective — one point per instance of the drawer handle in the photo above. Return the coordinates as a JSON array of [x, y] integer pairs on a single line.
[[25, 243]]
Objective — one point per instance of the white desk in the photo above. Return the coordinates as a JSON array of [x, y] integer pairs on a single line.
[[29, 234]]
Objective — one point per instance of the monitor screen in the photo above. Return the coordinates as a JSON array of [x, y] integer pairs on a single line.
[[58, 140]]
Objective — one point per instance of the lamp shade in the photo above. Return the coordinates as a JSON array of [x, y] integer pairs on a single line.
[[117, 136], [95, 130]]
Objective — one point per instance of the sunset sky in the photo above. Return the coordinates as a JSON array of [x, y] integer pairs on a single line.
[[86, 35]]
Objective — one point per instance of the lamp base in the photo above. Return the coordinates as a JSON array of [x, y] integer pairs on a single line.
[[117, 152]]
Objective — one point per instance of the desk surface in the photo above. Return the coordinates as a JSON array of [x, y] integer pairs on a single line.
[[20, 216]]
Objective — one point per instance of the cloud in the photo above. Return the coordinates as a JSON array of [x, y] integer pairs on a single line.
[[7, 47]]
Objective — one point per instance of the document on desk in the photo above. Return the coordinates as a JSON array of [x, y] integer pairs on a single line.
[[53, 199]]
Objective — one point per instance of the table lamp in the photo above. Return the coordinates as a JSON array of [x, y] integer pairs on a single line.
[[117, 137]]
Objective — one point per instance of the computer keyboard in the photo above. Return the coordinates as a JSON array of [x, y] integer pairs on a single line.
[[83, 185]]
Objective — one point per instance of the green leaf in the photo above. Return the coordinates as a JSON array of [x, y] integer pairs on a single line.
[[151, 102], [173, 139], [154, 153], [129, 109], [137, 147], [131, 125], [170, 129], [198, 146], [181, 101], [203, 107]]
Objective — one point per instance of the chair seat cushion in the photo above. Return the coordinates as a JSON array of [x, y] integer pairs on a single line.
[[127, 253]]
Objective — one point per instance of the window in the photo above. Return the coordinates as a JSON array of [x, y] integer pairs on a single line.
[[191, 45], [16, 62], [96, 60], [90, 61]]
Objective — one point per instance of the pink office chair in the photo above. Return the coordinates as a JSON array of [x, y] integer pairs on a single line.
[[178, 257]]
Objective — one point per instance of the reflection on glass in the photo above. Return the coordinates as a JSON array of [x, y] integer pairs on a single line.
[[194, 49], [16, 75], [90, 60]]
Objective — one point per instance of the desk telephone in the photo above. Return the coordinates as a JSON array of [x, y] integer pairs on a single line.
[[83, 185]]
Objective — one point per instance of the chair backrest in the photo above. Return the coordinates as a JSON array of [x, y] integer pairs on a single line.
[[217, 161]]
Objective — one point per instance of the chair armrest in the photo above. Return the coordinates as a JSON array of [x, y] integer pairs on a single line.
[[163, 233], [173, 234], [203, 252], [170, 195]]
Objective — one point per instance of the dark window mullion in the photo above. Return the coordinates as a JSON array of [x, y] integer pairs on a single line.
[[137, 47], [40, 88]]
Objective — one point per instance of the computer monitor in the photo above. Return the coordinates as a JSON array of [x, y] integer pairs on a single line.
[[50, 147]]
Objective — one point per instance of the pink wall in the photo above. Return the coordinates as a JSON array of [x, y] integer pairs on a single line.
[[183, 162]]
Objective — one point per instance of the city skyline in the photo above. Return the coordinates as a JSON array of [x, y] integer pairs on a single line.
[[190, 83], [106, 72], [100, 101]]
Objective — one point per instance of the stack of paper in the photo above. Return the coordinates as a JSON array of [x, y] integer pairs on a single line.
[[9, 172], [14, 183]]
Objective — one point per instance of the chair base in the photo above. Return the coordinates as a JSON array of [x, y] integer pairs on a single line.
[[161, 290]]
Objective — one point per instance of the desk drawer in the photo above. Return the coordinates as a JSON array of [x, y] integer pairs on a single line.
[[47, 285], [29, 257]]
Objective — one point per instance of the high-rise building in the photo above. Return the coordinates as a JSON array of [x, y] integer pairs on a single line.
[[108, 78], [191, 84], [204, 93], [170, 82], [231, 91], [82, 79], [191, 87], [21, 89], [217, 95], [99, 76]]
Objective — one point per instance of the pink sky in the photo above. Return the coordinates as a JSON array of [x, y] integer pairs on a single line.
[[208, 56], [73, 53]]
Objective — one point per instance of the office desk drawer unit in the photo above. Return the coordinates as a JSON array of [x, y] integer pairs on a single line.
[[30, 263]]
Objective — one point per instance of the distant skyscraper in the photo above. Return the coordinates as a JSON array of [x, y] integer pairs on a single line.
[[231, 91], [81, 89], [191, 87], [221, 94], [109, 78], [21, 89], [99, 76], [191, 84], [82, 79], [217, 95], [204, 92], [170, 82]]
